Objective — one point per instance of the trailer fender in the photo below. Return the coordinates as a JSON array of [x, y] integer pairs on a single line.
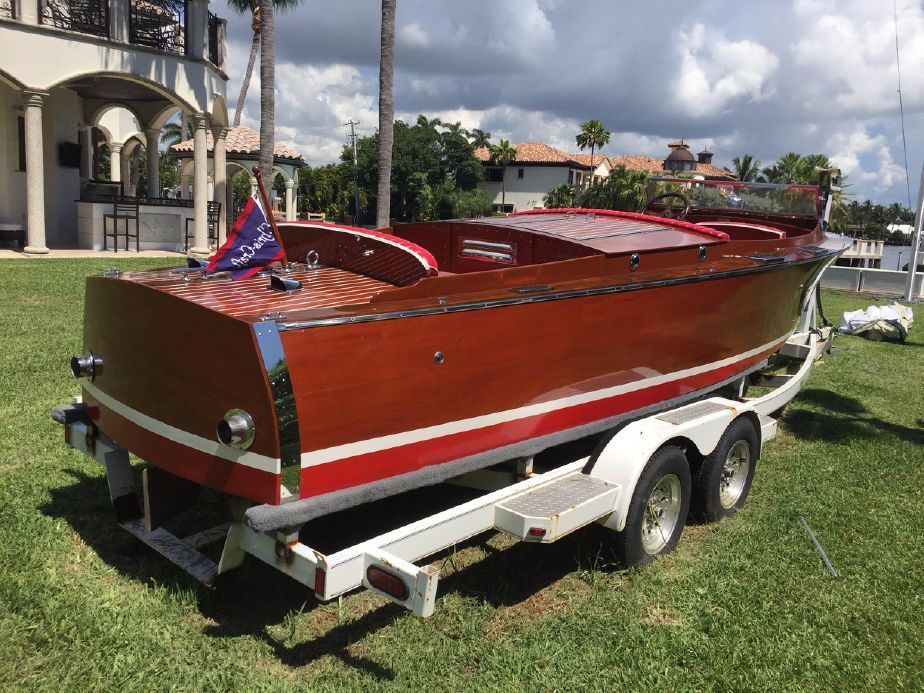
[[622, 458]]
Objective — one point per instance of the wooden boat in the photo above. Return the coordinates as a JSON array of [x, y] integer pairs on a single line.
[[414, 354]]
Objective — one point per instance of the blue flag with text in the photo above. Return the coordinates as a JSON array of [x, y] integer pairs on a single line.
[[250, 247]]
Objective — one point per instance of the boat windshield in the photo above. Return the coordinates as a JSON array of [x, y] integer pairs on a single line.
[[800, 200]]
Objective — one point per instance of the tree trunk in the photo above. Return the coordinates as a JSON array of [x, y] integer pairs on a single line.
[[245, 85], [386, 113], [267, 92]]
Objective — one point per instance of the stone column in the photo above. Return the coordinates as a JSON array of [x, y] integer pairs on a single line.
[[200, 186], [115, 162], [253, 190], [27, 12], [35, 176], [197, 35], [118, 20], [126, 161], [152, 149], [87, 152], [220, 176], [290, 200]]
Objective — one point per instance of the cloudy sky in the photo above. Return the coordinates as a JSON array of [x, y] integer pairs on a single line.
[[811, 76]]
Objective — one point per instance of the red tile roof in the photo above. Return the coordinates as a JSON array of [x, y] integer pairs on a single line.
[[241, 140], [534, 153]]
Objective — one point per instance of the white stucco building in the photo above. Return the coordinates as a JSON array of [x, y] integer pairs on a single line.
[[80, 75], [538, 168]]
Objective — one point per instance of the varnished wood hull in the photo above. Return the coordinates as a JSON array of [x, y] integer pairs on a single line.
[[422, 386]]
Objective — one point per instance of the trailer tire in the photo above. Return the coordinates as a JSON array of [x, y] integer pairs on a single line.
[[662, 495], [723, 481]]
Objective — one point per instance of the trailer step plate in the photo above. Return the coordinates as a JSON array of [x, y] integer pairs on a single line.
[[177, 551], [553, 510]]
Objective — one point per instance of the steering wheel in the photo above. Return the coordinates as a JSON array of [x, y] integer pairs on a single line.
[[670, 209]]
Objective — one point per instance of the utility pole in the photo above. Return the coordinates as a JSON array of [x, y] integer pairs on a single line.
[[915, 244], [352, 123]]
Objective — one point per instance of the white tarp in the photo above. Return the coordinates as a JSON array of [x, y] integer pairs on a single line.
[[879, 323]]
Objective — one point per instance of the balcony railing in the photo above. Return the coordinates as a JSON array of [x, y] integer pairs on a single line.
[[85, 16], [7, 11], [158, 24]]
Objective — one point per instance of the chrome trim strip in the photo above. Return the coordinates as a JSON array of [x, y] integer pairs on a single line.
[[472, 252], [472, 243], [539, 298], [277, 372]]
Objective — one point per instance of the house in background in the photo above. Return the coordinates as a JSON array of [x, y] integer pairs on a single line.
[[522, 183], [678, 162], [67, 66]]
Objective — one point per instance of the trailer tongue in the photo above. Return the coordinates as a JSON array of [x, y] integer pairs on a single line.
[[640, 483]]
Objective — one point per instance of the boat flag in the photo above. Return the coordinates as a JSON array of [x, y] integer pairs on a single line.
[[252, 243]]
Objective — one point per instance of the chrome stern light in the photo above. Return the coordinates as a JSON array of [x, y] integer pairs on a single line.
[[86, 366], [236, 429]]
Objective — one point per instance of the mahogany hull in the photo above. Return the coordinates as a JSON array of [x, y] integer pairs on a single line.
[[385, 384]]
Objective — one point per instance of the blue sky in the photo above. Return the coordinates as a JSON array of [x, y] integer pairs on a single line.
[[812, 76]]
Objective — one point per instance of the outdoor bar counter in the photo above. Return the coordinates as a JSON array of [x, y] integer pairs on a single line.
[[161, 223]]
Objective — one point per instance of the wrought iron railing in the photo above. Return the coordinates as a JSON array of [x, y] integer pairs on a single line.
[[85, 16], [159, 24], [214, 56], [7, 10]]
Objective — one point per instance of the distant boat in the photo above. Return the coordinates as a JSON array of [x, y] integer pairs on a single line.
[[398, 358]]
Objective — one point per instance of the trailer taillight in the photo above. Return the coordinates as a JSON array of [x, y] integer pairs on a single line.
[[319, 576], [536, 532], [389, 583]]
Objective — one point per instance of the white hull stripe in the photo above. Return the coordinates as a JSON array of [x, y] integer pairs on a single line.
[[394, 440], [177, 435]]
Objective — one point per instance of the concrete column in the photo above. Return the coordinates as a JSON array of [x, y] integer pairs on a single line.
[[197, 22], [35, 176], [152, 149], [87, 152], [200, 186], [290, 200], [126, 161], [118, 20], [227, 210], [210, 188], [27, 11], [115, 162], [220, 176], [253, 190]]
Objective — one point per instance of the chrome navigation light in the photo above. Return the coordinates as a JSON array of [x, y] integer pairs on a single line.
[[236, 429], [86, 366]]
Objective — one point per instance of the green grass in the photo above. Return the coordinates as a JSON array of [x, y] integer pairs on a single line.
[[745, 604]]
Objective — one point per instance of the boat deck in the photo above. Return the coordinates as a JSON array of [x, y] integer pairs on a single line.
[[321, 288]]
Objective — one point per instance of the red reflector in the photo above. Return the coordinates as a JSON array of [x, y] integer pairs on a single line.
[[389, 583], [92, 411], [537, 532], [319, 576]]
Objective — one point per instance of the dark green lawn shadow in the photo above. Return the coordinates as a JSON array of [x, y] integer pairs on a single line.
[[843, 420]]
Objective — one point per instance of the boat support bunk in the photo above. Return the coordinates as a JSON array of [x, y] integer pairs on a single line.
[[534, 507]]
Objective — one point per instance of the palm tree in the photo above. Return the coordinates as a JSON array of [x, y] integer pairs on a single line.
[[592, 135], [747, 168], [386, 113], [252, 7], [502, 154], [480, 138], [267, 89], [173, 133]]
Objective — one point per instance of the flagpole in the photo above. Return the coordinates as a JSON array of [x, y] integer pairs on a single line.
[[270, 217]]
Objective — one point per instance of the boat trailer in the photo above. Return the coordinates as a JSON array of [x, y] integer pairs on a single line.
[[533, 507]]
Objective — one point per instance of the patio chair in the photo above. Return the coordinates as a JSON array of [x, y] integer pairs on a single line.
[[212, 215], [126, 210]]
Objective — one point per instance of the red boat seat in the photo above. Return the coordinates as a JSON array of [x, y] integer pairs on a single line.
[[745, 231], [375, 254]]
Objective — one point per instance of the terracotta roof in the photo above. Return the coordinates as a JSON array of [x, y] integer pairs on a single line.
[[678, 143], [640, 162], [241, 140], [535, 153], [584, 158]]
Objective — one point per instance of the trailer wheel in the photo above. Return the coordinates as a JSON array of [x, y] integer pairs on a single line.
[[658, 509], [723, 481]]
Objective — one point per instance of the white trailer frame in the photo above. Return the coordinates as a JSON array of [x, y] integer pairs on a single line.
[[539, 508]]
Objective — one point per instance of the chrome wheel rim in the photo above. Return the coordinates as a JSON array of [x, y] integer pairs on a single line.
[[734, 474], [662, 512]]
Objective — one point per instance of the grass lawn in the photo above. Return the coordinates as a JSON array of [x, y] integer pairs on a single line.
[[745, 604]]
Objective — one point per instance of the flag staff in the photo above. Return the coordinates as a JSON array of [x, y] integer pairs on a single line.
[[270, 217]]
